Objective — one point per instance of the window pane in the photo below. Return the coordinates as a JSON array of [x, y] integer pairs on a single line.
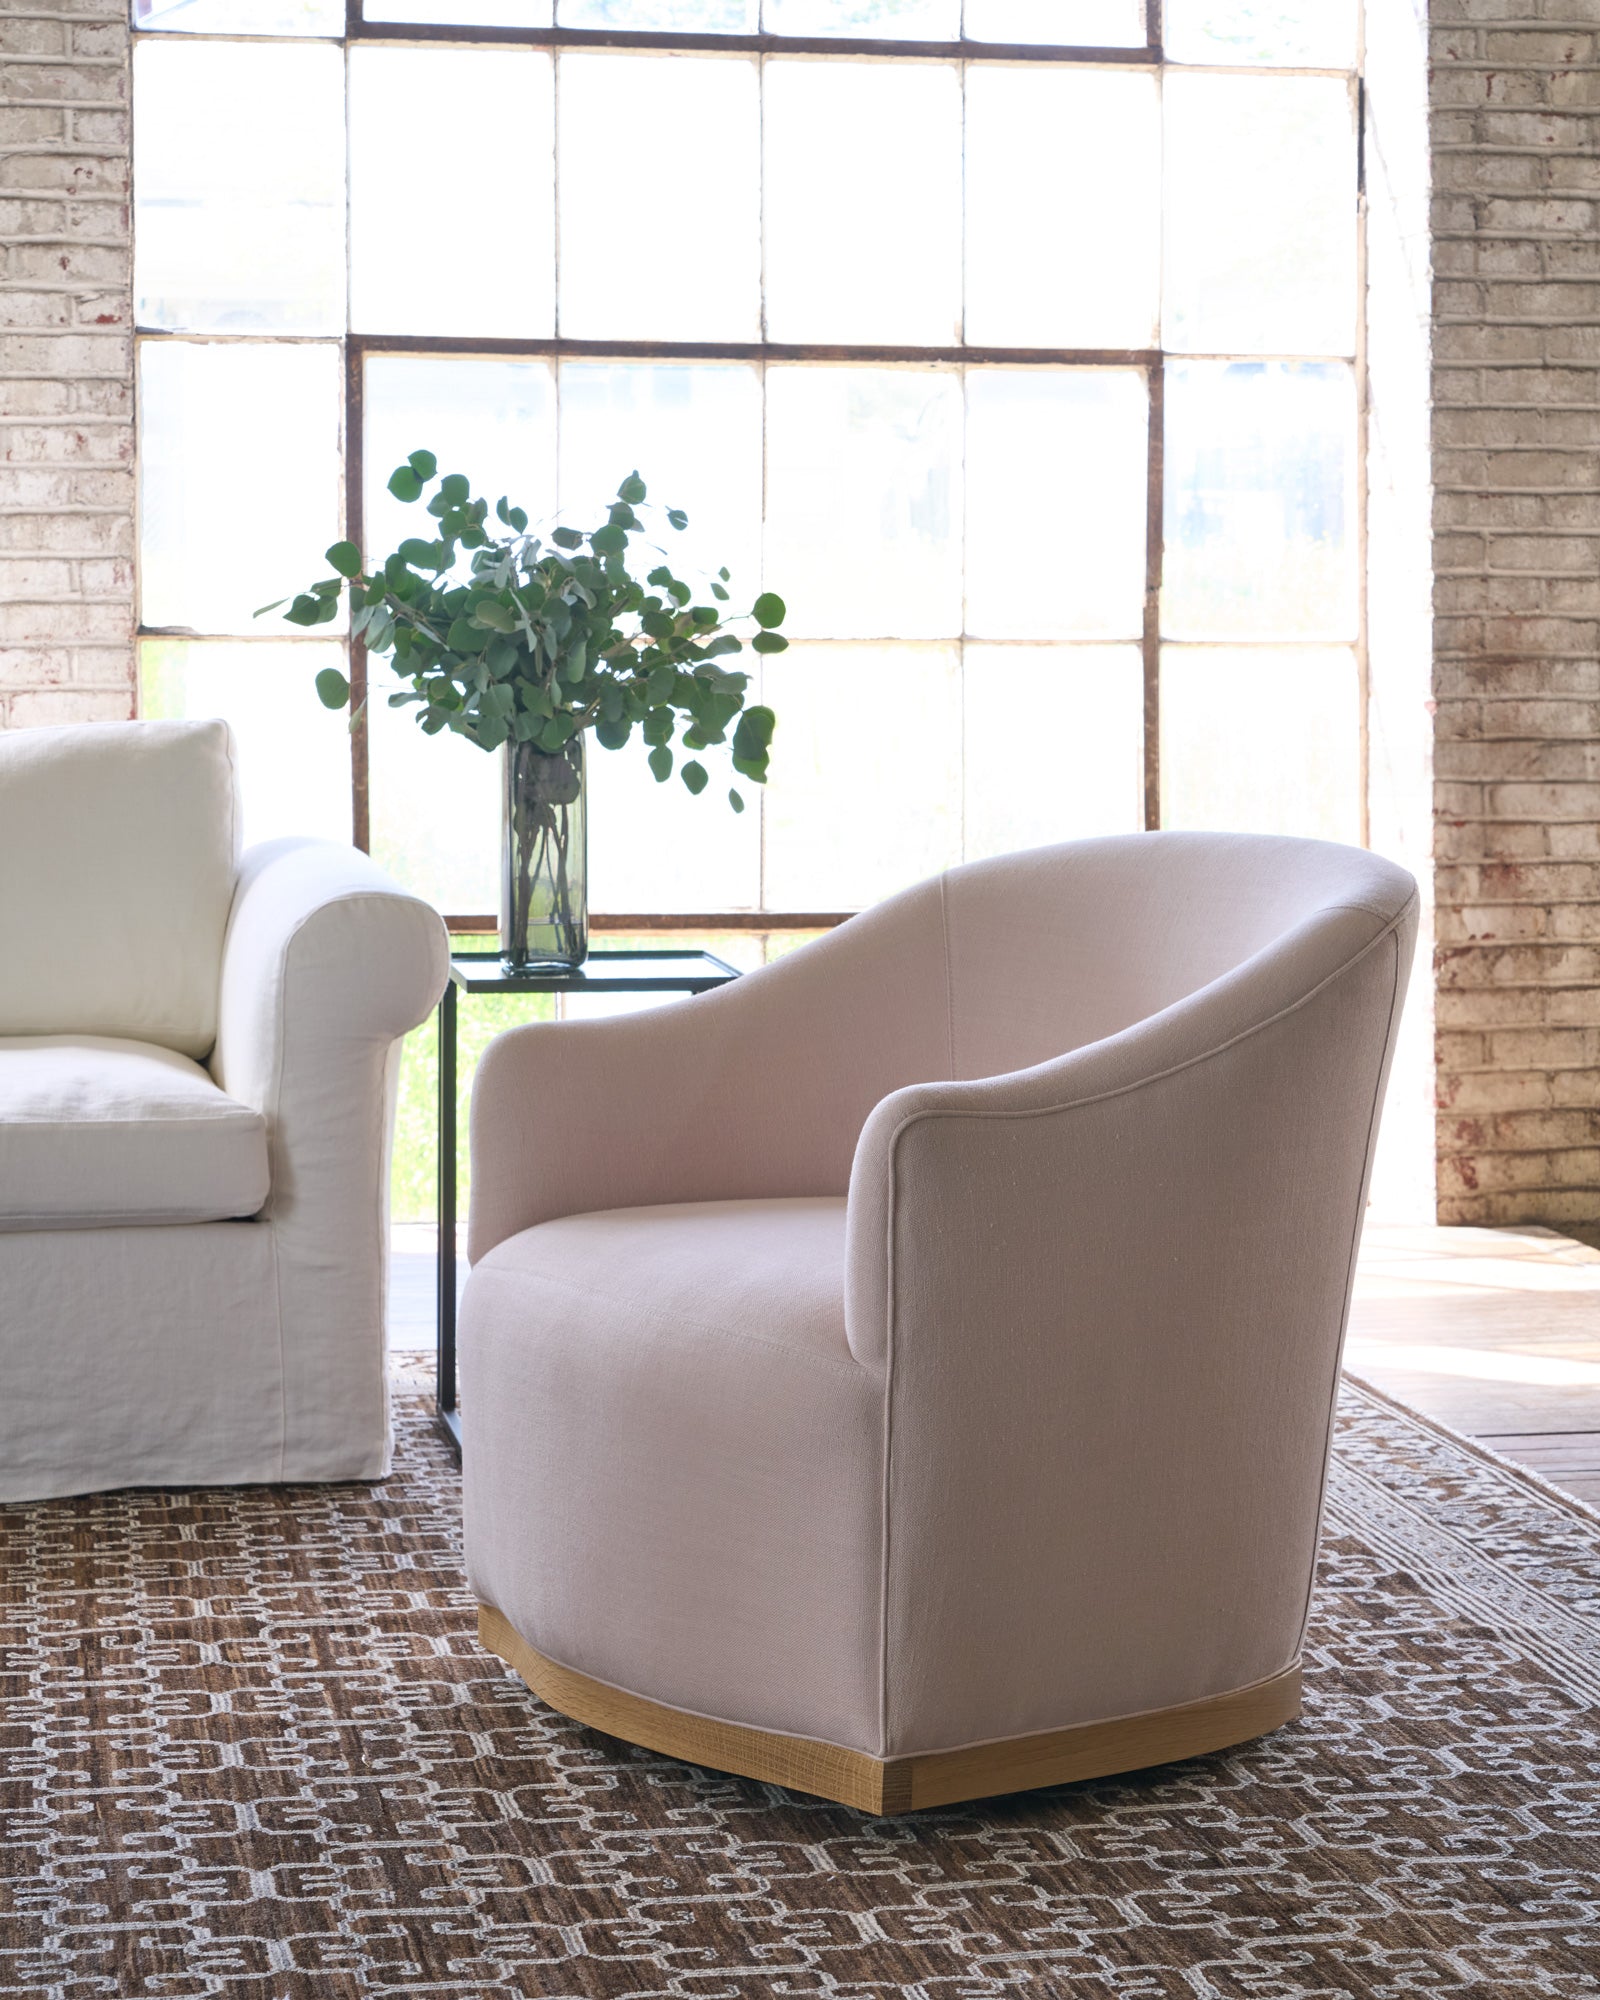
[[1054, 745], [436, 799], [684, 17], [864, 500], [692, 430], [495, 282], [894, 20], [660, 280], [859, 808], [1261, 741], [435, 807], [1261, 215], [1077, 262], [294, 754], [1260, 499], [1087, 24], [492, 420], [1056, 502], [238, 167], [463, 13], [1314, 34], [653, 847], [864, 224], [238, 478], [241, 17]]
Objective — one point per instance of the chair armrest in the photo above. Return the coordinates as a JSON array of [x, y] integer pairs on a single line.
[[756, 1089], [1107, 1296], [915, 1172], [325, 965]]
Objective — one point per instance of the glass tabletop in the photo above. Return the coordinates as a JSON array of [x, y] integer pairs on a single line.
[[600, 972]]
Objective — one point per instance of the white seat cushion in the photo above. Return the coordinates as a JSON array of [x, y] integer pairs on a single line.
[[96, 1132]]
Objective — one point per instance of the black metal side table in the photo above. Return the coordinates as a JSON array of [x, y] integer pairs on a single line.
[[482, 972]]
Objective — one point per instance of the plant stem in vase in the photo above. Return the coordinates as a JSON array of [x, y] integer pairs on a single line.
[[544, 916]]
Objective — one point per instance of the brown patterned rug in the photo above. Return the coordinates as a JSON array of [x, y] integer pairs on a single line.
[[249, 1746]]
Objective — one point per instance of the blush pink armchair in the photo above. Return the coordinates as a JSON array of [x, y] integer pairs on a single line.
[[907, 1373]]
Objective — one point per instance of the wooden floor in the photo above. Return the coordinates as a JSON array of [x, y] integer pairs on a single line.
[[1494, 1332]]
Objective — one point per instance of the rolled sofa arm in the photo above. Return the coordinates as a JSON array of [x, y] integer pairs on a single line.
[[326, 964]]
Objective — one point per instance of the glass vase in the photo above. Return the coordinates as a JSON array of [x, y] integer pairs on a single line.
[[544, 904]]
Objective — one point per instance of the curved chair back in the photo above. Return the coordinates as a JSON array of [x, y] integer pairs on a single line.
[[1057, 947]]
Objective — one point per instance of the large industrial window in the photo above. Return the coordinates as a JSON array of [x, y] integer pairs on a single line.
[[1016, 343]]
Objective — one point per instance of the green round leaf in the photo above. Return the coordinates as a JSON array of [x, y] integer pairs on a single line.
[[632, 489], [333, 690], [454, 489], [695, 776], [751, 736], [661, 763], [735, 801], [423, 464], [769, 642], [404, 483], [345, 557], [769, 609], [609, 540], [465, 637]]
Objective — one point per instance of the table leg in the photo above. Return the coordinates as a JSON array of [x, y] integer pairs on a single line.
[[445, 1382]]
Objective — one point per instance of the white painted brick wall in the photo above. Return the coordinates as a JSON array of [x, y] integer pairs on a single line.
[[66, 364], [1516, 165]]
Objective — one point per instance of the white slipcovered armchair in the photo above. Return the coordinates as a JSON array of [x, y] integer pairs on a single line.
[[197, 1079]]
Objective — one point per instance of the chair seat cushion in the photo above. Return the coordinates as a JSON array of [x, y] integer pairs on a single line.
[[673, 1462], [96, 1132]]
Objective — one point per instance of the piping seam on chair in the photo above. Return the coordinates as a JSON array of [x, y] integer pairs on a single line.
[[888, 1350], [655, 1701], [1395, 999], [1160, 1075], [829, 1742]]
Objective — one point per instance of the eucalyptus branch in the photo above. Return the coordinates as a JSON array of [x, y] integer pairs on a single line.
[[546, 638]]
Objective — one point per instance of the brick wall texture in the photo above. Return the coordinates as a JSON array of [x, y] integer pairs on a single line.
[[1516, 171], [66, 364]]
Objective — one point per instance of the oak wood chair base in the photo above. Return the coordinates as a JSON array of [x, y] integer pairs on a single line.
[[902, 1784]]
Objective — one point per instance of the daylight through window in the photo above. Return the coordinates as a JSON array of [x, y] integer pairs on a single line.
[[1027, 373]]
